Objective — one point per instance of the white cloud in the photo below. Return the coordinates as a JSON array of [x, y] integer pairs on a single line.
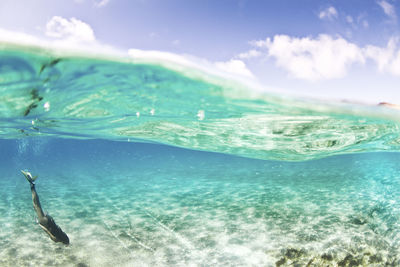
[[349, 19], [324, 57], [312, 59], [329, 13], [101, 3], [387, 58], [250, 54], [234, 66], [388, 9], [361, 20], [72, 29]]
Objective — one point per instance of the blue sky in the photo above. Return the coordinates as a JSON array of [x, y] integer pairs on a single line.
[[326, 49]]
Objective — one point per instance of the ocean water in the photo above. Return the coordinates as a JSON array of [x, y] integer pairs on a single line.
[[152, 164]]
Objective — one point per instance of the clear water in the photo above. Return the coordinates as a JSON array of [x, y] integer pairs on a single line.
[[142, 165]]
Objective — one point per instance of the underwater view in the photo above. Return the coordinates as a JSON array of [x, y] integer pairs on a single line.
[[148, 164]]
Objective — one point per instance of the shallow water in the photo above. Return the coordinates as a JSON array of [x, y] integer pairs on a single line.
[[272, 181], [129, 204]]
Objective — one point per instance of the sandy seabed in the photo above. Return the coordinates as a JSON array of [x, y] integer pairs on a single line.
[[256, 214]]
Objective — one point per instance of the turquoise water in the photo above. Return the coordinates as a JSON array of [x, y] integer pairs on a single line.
[[144, 165]]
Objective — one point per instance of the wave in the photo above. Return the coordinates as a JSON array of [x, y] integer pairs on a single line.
[[75, 96]]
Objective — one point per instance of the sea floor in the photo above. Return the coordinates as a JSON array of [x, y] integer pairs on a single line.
[[151, 205]]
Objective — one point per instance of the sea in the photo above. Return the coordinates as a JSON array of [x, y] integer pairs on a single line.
[[153, 164]]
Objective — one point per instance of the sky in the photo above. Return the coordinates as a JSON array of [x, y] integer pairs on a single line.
[[342, 50]]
